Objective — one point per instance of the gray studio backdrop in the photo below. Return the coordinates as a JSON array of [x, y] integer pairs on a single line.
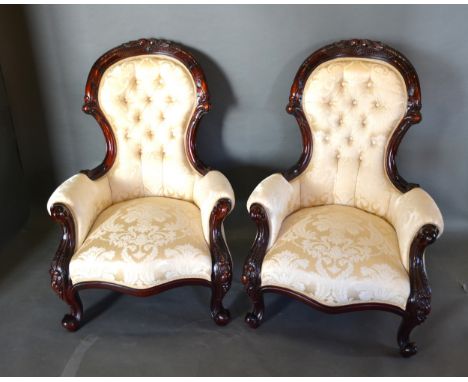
[[250, 55]]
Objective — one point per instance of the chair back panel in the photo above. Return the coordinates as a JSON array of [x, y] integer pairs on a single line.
[[353, 106], [148, 101]]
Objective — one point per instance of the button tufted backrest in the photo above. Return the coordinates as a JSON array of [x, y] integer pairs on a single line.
[[352, 106], [148, 101]]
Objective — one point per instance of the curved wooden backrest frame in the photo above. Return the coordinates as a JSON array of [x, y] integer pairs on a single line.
[[137, 48], [360, 49]]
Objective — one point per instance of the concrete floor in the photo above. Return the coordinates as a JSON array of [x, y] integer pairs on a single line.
[[172, 334]]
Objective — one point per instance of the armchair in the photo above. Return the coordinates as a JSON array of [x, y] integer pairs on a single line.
[[150, 217], [342, 230]]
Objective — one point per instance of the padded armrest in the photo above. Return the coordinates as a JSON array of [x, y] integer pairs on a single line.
[[85, 198], [279, 197], [408, 214], [206, 193]]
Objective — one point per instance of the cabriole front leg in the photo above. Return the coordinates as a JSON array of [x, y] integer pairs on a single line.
[[418, 306], [60, 280], [221, 276], [253, 265]]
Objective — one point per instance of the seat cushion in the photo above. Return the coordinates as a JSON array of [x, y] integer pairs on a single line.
[[338, 255], [142, 243]]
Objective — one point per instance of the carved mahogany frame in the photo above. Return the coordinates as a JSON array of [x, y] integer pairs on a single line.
[[418, 304], [221, 276]]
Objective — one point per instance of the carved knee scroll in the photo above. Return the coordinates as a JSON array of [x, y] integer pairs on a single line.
[[251, 277]]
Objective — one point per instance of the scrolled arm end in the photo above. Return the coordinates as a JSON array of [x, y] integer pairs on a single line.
[[82, 199], [415, 216], [278, 199], [214, 196]]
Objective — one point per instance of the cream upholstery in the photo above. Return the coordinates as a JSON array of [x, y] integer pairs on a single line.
[[408, 214], [279, 198], [142, 243], [352, 107], [338, 255], [85, 199], [207, 191], [148, 100], [150, 212]]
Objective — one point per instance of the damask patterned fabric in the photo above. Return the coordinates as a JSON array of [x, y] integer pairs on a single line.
[[341, 232], [338, 255], [148, 101], [143, 243]]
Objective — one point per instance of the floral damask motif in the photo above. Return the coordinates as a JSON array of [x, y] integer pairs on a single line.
[[338, 255], [143, 243]]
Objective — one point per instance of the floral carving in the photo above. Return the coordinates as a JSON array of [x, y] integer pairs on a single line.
[[221, 276]]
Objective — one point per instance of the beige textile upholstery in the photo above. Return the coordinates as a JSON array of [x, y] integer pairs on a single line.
[[146, 221], [207, 191], [148, 100], [338, 255], [85, 199], [352, 107], [408, 214], [142, 243], [279, 198]]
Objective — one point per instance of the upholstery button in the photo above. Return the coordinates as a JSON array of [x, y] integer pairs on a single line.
[[149, 99], [343, 84], [169, 100], [326, 138], [340, 122], [172, 134], [354, 102], [350, 139], [360, 157], [369, 84], [159, 82], [373, 141], [364, 122], [377, 104], [338, 155], [149, 134]]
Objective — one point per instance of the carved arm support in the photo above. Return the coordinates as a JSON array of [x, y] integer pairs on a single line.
[[271, 201], [74, 205], [60, 281], [84, 199], [278, 198], [208, 193], [253, 263], [214, 196], [409, 214], [222, 262], [419, 301]]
